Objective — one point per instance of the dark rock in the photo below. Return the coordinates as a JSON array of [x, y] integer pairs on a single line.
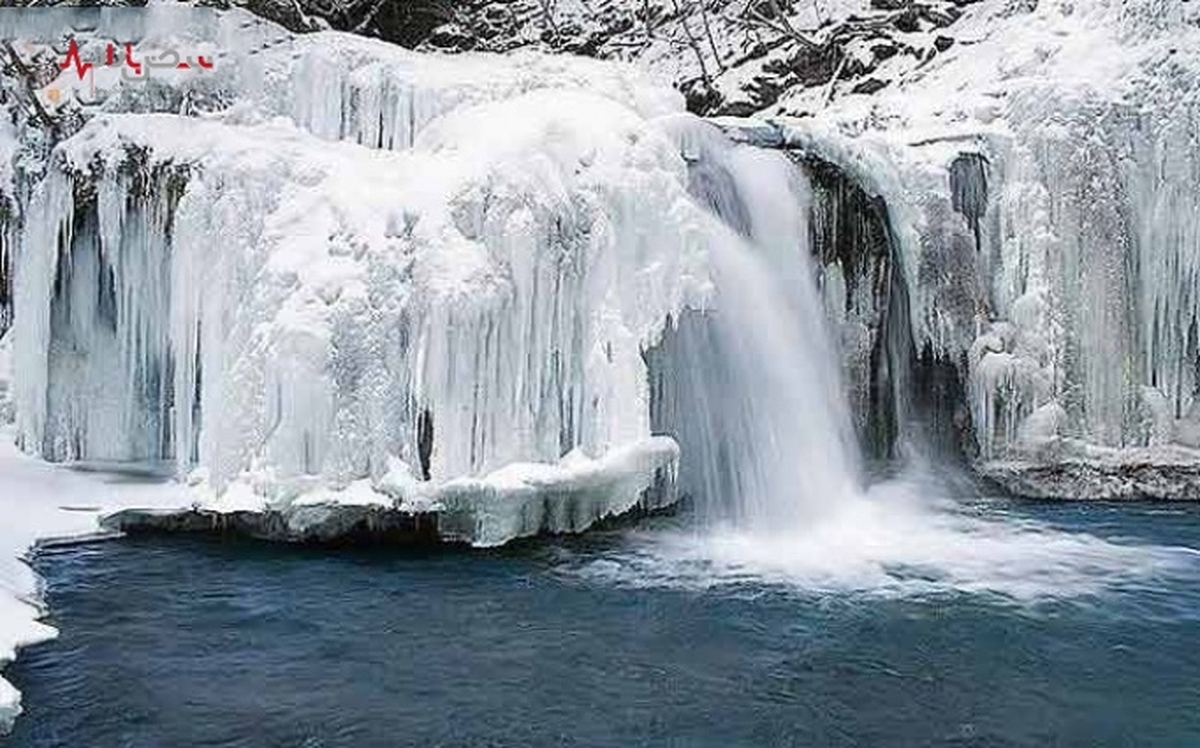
[[885, 49], [908, 21], [311, 525], [943, 43], [812, 66], [969, 189], [938, 391], [1093, 480], [701, 98], [869, 86], [850, 229]]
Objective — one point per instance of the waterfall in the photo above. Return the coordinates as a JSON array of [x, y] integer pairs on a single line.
[[751, 388]]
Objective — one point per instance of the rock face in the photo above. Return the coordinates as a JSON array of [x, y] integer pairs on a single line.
[[1084, 480], [325, 524], [866, 300]]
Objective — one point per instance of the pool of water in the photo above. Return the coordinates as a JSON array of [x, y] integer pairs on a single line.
[[642, 636]]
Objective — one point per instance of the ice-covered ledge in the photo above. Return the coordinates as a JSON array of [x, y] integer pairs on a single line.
[[517, 501]]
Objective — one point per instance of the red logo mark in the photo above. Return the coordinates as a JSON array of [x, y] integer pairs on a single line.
[[81, 67]]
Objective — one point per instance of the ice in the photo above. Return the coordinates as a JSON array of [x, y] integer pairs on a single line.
[[346, 87], [521, 500], [1041, 178], [478, 299]]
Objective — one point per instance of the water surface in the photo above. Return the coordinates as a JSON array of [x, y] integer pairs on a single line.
[[610, 641]]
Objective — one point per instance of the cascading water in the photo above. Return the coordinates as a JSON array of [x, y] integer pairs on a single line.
[[751, 388]]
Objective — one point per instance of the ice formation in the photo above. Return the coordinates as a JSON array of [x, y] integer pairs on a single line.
[[1041, 178], [422, 293], [370, 264], [500, 288]]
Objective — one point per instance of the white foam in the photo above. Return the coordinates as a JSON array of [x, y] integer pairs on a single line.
[[899, 540]]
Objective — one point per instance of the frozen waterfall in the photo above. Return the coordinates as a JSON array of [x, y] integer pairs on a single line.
[[500, 298]]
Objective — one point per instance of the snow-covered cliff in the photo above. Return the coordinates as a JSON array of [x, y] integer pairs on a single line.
[[1041, 177]]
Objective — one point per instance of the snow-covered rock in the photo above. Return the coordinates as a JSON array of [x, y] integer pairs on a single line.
[[517, 501]]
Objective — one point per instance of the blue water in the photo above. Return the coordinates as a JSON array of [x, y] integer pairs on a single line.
[[618, 640]]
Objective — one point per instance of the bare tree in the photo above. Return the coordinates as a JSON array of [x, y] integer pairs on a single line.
[[776, 21], [692, 42], [647, 19], [712, 44], [26, 75], [548, 9]]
